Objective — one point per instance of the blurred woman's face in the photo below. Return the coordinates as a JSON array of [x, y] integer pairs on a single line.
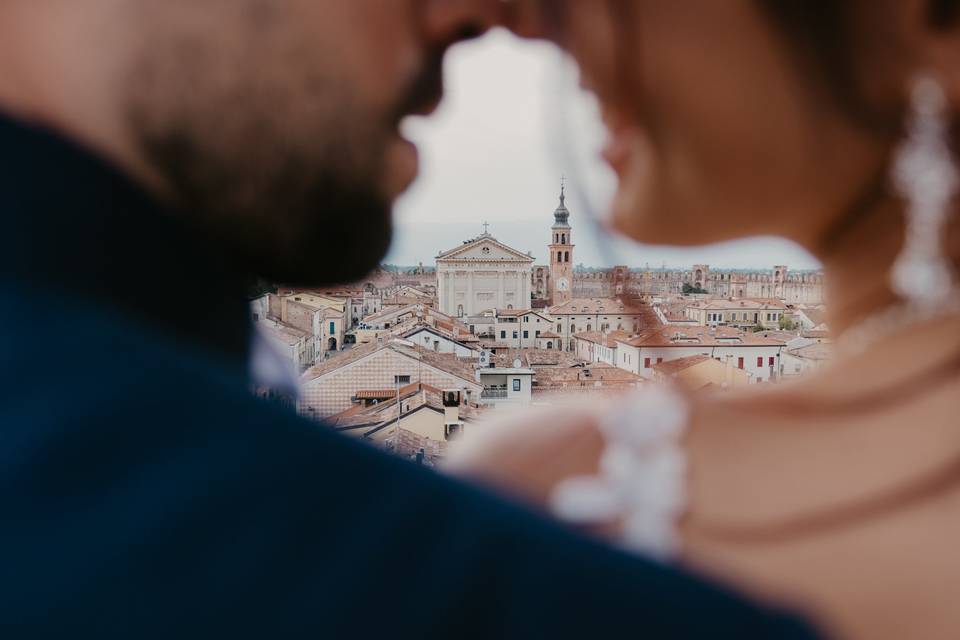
[[716, 129]]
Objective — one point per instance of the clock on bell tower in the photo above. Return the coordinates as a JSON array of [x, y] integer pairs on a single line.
[[561, 253]]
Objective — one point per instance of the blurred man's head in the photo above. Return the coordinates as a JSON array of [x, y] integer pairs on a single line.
[[271, 123]]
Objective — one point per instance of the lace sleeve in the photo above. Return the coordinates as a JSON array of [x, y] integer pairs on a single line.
[[641, 476]]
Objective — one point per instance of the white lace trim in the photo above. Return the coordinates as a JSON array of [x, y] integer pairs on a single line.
[[642, 473]]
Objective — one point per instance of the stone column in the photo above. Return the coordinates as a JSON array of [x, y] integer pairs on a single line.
[[525, 288], [500, 293], [468, 308], [451, 295]]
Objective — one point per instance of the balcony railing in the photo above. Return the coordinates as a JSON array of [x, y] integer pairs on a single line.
[[493, 394]]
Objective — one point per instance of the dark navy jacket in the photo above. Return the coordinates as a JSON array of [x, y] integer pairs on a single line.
[[145, 493]]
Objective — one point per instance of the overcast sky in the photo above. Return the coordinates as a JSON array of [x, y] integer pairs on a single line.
[[512, 122]]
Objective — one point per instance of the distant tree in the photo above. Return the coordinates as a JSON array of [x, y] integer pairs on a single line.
[[259, 287], [786, 324], [758, 328], [689, 288]]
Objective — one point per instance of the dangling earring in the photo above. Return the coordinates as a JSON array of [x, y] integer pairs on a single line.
[[925, 174]]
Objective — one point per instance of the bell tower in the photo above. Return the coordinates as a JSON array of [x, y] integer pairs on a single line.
[[561, 253]]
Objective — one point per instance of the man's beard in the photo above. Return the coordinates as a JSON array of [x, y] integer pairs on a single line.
[[266, 147], [265, 138], [291, 218]]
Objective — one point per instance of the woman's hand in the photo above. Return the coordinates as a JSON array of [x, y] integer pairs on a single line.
[[526, 453]]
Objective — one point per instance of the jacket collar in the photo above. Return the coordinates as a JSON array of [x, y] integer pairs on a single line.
[[76, 225]]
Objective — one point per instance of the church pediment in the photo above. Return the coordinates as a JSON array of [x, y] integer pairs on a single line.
[[485, 248]]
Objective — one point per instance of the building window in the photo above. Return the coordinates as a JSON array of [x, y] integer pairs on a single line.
[[771, 361], [537, 335], [646, 363], [514, 335], [401, 379], [503, 334], [559, 328], [659, 360], [333, 328], [566, 256], [759, 361], [516, 384], [526, 334], [740, 363]]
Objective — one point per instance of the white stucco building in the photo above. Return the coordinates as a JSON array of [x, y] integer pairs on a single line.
[[748, 351], [483, 274]]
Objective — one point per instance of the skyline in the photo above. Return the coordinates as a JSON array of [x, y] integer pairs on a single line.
[[512, 122]]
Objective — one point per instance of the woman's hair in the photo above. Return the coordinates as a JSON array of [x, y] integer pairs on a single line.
[[820, 32]]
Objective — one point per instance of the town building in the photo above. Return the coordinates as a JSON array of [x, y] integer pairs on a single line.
[[555, 384], [804, 357], [295, 346], [324, 318], [513, 328], [331, 387], [434, 339], [701, 372], [598, 314], [506, 386], [416, 420], [482, 274], [792, 287], [811, 318], [737, 312], [743, 349], [596, 346]]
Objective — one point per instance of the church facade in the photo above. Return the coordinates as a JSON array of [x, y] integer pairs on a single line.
[[483, 274]]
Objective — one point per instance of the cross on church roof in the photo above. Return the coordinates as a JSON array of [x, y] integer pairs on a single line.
[[486, 228]]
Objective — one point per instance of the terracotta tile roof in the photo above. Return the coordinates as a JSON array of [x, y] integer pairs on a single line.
[[593, 306], [548, 334], [280, 331], [371, 394], [341, 359], [674, 366], [739, 303], [815, 351], [779, 336], [594, 375], [674, 336], [402, 301], [386, 313], [816, 316], [535, 358], [608, 339], [375, 417], [465, 338]]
